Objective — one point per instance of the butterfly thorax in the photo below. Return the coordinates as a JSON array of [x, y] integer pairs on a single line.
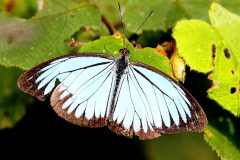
[[122, 61]]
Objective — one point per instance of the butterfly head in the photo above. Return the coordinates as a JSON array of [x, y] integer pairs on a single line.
[[124, 52], [123, 59]]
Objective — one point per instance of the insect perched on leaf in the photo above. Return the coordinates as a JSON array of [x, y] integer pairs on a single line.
[[130, 98]]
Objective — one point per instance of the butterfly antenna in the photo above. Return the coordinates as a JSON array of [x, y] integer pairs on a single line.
[[121, 19], [144, 21]]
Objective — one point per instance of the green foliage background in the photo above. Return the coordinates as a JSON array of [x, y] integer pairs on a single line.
[[206, 36]]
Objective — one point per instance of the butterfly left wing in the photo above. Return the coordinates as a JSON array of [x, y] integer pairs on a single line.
[[80, 87], [149, 104]]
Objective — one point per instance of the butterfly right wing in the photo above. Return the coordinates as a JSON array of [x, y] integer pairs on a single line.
[[149, 104], [80, 86]]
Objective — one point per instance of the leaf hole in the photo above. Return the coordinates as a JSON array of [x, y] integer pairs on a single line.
[[233, 90], [227, 53], [232, 71], [213, 50]]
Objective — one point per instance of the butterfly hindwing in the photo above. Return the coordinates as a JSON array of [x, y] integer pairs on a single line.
[[150, 103]]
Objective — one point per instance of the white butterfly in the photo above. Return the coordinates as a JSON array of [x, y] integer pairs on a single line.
[[130, 98]]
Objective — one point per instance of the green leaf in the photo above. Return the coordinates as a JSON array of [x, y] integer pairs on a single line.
[[151, 57], [110, 46], [226, 73], [19, 8], [214, 48], [185, 146], [106, 45], [157, 20], [221, 144], [217, 47], [53, 7], [109, 8], [25, 43], [166, 12], [232, 6], [12, 102], [195, 40]]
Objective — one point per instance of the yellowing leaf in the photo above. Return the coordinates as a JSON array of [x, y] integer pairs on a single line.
[[226, 74], [195, 40], [214, 48]]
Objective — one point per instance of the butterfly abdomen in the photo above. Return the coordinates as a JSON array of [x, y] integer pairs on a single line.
[[121, 66]]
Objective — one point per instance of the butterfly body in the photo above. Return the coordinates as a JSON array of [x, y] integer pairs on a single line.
[[121, 66], [128, 97]]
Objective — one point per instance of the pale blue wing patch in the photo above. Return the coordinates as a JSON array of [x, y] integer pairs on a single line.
[[90, 94], [61, 68], [129, 112], [148, 100], [85, 84], [172, 100]]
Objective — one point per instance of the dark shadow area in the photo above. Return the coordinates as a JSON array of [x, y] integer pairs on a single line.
[[198, 84], [152, 38], [41, 130]]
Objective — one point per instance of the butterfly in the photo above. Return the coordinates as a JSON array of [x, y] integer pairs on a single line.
[[132, 99]]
